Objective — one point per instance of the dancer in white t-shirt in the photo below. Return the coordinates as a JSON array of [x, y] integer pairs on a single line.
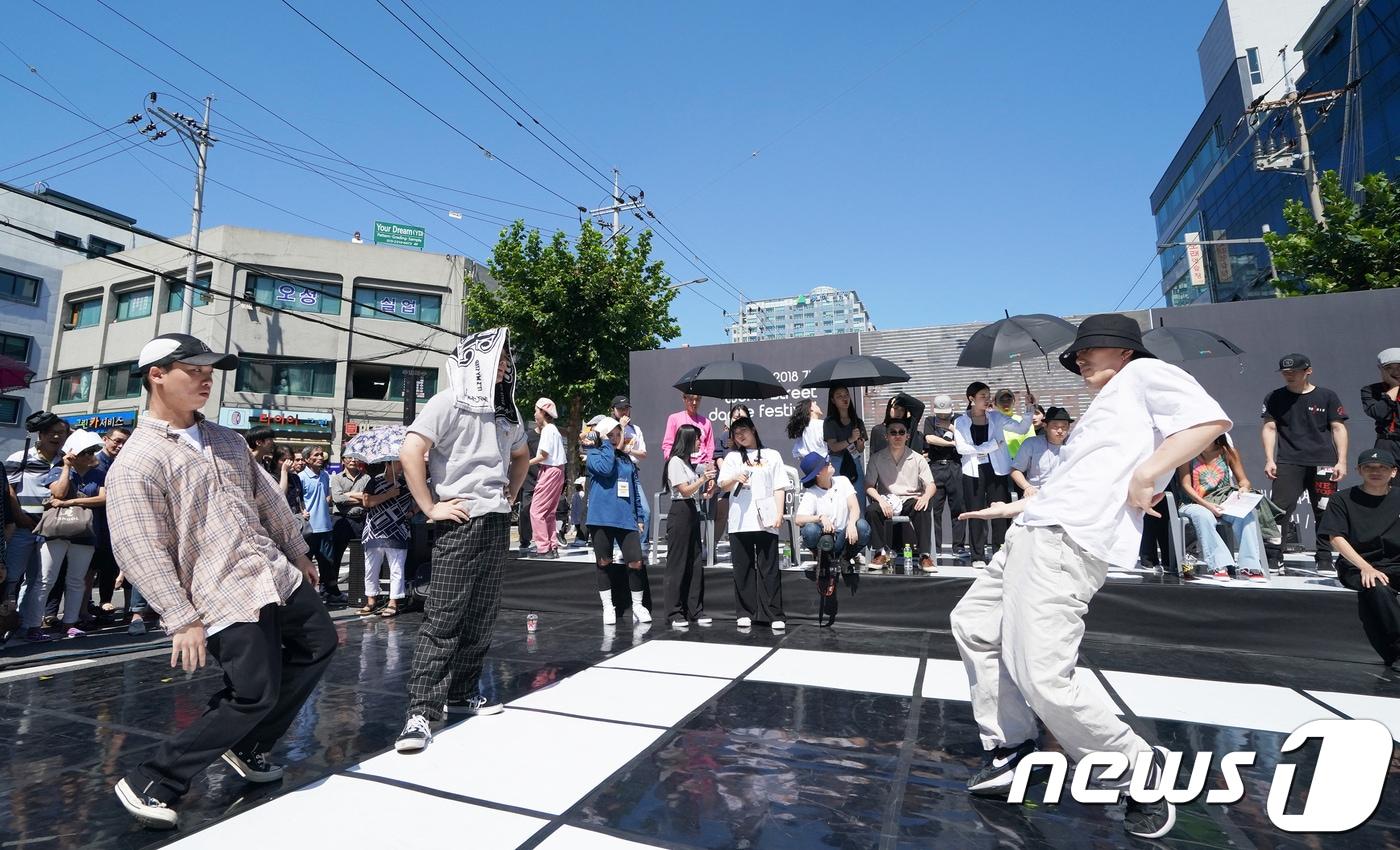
[[1019, 626]]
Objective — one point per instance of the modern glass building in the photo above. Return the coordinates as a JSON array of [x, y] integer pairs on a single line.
[[1215, 192], [824, 310]]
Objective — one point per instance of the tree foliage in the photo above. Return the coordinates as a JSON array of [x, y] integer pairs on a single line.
[[1357, 249], [575, 314]]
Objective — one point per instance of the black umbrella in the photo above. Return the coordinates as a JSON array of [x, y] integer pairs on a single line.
[[1014, 338], [1177, 344], [855, 370], [734, 379]]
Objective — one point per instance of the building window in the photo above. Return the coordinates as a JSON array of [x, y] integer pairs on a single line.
[[68, 240], [19, 287], [135, 304], [286, 377], [371, 303], [10, 410], [123, 381], [378, 382], [1256, 76], [16, 346], [85, 314], [298, 295], [174, 295], [74, 386], [99, 247]]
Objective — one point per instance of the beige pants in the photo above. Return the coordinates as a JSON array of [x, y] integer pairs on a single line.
[[1018, 629]]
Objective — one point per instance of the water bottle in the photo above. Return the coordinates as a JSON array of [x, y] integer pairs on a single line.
[[908, 553], [787, 555]]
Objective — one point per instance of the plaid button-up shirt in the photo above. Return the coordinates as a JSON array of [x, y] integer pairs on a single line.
[[205, 535]]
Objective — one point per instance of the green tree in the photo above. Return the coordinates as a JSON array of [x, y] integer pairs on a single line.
[[575, 314], [1358, 248]]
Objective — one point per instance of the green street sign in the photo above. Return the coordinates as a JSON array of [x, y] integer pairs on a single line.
[[405, 235]]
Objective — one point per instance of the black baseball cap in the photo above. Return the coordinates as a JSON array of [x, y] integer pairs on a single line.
[[622, 401], [1294, 361], [1376, 456], [169, 348]]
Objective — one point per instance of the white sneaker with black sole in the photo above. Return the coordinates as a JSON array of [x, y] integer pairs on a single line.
[[255, 767], [146, 809], [1151, 820], [477, 706], [997, 774], [416, 735]]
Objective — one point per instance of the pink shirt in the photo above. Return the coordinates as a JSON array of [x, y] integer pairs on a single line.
[[707, 435]]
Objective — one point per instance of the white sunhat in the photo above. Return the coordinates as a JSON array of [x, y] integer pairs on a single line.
[[80, 441]]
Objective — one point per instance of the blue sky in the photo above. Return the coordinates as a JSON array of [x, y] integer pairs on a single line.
[[944, 159]]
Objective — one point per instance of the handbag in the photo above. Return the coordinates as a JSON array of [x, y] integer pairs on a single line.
[[70, 522]]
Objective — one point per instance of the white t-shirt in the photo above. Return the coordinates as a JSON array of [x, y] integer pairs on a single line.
[[1146, 402], [1037, 458], [813, 439], [638, 442], [829, 504], [553, 443], [191, 436], [679, 472], [752, 508]]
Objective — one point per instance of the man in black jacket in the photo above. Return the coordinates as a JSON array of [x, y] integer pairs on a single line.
[[1379, 400]]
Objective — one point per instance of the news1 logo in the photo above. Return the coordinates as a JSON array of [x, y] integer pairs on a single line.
[[1346, 786]]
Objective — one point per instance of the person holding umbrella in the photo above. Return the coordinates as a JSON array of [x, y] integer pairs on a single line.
[[980, 436]]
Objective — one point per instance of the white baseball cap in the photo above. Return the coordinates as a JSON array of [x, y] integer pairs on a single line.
[[80, 441], [943, 403], [606, 425], [169, 348], [1387, 357]]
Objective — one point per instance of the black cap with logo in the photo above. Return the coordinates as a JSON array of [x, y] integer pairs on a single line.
[[1294, 362]]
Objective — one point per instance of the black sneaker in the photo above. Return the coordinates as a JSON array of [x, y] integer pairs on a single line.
[[255, 767], [1151, 820], [416, 735], [476, 706], [146, 809], [994, 779]]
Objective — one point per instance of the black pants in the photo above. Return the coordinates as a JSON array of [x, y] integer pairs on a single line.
[[1292, 480], [758, 584], [270, 668], [685, 566], [882, 530], [344, 530], [1155, 548], [947, 475], [105, 564], [1378, 608], [522, 525], [979, 493]]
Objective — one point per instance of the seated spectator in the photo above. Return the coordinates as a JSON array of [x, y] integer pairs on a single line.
[[828, 511], [1039, 455], [902, 408], [899, 483], [1363, 525], [1207, 480]]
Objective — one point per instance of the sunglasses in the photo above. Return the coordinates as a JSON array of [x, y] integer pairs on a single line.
[[898, 433]]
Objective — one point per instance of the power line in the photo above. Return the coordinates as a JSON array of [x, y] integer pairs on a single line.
[[454, 128], [61, 148]]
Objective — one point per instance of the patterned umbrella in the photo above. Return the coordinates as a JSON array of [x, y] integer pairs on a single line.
[[378, 445]]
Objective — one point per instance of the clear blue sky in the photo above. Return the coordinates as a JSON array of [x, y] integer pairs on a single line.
[[990, 154]]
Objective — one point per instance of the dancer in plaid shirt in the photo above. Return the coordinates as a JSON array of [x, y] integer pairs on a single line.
[[210, 540], [477, 456]]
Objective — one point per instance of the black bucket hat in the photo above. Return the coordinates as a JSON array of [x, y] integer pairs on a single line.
[[1106, 330]]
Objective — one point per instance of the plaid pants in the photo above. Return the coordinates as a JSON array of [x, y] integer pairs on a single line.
[[463, 597]]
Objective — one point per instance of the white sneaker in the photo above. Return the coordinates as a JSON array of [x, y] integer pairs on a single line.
[[680, 625], [744, 622], [704, 621], [609, 611], [638, 609], [779, 625], [979, 565], [148, 810]]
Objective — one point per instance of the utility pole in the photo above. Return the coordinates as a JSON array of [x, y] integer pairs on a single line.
[[619, 205], [1304, 146], [199, 134], [1267, 157]]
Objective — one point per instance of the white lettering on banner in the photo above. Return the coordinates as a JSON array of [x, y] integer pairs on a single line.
[[387, 304], [310, 297], [1345, 789], [408, 306], [286, 292]]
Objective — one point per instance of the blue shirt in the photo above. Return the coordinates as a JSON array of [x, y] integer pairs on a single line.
[[316, 499], [90, 483], [607, 468]]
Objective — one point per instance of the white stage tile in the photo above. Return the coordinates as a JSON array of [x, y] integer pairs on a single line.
[[1362, 707], [722, 660], [626, 695], [947, 680], [847, 671], [541, 762], [284, 822], [573, 838], [1265, 707]]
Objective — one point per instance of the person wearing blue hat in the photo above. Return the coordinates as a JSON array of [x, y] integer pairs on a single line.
[[828, 512], [1363, 525]]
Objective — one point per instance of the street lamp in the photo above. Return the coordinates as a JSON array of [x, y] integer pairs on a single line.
[[688, 283]]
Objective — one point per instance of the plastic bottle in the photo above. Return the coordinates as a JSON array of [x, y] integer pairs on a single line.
[[908, 553]]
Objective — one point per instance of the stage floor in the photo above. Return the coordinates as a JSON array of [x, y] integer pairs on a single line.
[[640, 736]]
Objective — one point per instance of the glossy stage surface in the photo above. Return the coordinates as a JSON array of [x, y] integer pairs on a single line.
[[635, 736]]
